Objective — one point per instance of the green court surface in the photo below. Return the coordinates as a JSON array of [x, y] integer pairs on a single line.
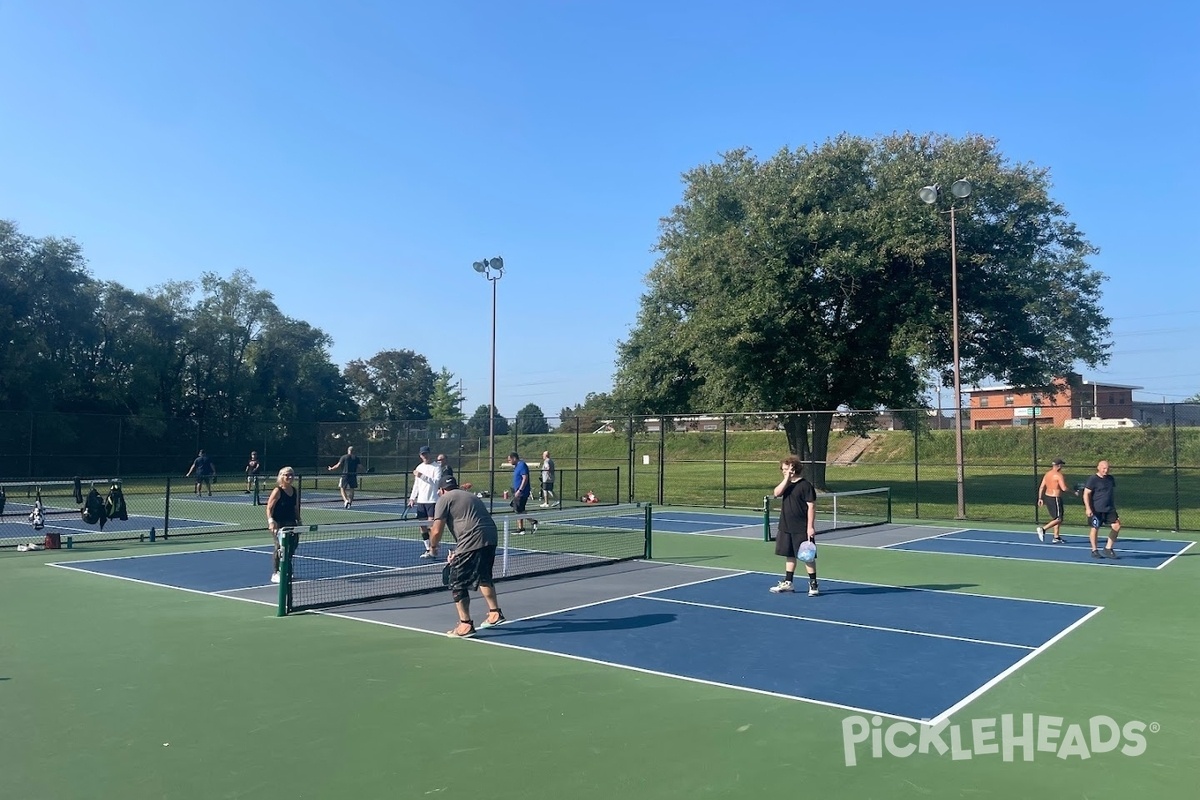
[[115, 689]]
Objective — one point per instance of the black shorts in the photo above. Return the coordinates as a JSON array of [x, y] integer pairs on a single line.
[[472, 570], [424, 510], [348, 482], [518, 503], [1054, 506], [547, 486], [1101, 518], [788, 544]]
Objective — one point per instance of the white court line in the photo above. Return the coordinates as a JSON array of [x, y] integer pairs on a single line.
[[1177, 555], [1099, 562], [1051, 546], [961, 704], [630, 668], [883, 628], [923, 538], [68, 566]]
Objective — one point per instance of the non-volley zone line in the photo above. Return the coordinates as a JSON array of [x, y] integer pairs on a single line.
[[1132, 552], [884, 640]]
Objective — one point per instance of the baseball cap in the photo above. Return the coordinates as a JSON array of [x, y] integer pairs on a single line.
[[448, 482], [1058, 462], [424, 451]]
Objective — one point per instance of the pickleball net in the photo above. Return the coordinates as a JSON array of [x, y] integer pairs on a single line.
[[838, 511], [57, 497], [339, 565]]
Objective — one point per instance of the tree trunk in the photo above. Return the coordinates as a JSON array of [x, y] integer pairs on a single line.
[[796, 427]]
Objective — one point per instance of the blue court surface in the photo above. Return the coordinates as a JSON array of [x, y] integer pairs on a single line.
[[1133, 552], [912, 653]]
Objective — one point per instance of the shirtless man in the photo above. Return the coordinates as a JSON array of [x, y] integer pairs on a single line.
[[1050, 496]]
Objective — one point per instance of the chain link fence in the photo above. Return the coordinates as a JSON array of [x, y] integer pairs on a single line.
[[711, 460]]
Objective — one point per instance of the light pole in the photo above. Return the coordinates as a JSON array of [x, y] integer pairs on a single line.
[[961, 190], [493, 270]]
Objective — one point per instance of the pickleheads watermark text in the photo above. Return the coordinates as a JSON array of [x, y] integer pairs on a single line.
[[1010, 736]]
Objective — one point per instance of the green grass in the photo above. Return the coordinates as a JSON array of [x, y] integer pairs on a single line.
[[98, 676]]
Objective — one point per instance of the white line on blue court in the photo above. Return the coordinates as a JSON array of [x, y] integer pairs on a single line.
[[961, 704], [718, 607], [1094, 563], [143, 582]]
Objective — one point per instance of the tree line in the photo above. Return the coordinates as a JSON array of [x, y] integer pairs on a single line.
[[217, 351]]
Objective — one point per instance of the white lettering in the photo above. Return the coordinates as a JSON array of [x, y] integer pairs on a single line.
[[876, 737], [1047, 732], [900, 751], [932, 735], [983, 737], [957, 753], [855, 730], [1099, 744], [1134, 733], [1010, 740], [1073, 744]]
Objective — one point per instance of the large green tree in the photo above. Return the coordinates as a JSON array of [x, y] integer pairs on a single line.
[[392, 384], [531, 420], [816, 280]]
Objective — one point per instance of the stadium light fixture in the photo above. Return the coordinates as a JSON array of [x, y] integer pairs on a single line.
[[961, 190], [493, 270]]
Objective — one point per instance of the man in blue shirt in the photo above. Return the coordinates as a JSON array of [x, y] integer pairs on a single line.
[[520, 490]]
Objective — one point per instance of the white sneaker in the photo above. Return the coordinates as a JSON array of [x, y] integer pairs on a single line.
[[544, 505], [429, 554], [782, 586], [274, 577], [813, 590], [535, 526], [1041, 533]]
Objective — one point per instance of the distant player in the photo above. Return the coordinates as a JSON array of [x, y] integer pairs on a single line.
[[521, 489], [253, 469], [424, 495], [203, 469], [1100, 503], [548, 471], [1050, 496], [797, 523], [348, 464]]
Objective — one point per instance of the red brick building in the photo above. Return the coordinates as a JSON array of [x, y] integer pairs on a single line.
[[1071, 397]]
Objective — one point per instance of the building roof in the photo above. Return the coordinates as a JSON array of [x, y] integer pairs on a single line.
[[1085, 382]]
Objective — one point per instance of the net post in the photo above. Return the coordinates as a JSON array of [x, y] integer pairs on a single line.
[[504, 554], [889, 505], [167, 509], [649, 527], [286, 546], [766, 518]]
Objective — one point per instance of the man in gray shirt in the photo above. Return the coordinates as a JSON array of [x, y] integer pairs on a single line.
[[470, 565]]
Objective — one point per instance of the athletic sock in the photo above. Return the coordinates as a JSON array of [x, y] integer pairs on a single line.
[[788, 576]]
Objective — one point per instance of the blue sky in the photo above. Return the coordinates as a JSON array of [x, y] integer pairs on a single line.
[[356, 157]]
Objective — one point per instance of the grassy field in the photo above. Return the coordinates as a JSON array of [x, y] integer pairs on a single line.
[[1002, 472]]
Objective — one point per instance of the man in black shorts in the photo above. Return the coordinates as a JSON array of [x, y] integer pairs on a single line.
[[797, 523], [1100, 503], [1050, 495], [348, 464], [475, 538]]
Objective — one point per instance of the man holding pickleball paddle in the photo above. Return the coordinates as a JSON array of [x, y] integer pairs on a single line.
[[469, 566], [797, 534]]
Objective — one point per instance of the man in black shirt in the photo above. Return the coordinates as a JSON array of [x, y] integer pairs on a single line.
[[1100, 503], [348, 464], [797, 523]]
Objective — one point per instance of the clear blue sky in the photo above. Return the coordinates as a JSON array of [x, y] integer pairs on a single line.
[[356, 157]]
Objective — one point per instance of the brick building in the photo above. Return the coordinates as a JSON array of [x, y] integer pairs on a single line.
[[1072, 397]]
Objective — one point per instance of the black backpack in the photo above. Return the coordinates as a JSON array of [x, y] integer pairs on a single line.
[[93, 507]]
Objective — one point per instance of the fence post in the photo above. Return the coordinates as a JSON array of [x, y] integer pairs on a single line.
[[1175, 461], [1037, 509], [917, 470]]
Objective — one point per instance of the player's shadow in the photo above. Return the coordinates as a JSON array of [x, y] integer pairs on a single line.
[[538, 626]]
